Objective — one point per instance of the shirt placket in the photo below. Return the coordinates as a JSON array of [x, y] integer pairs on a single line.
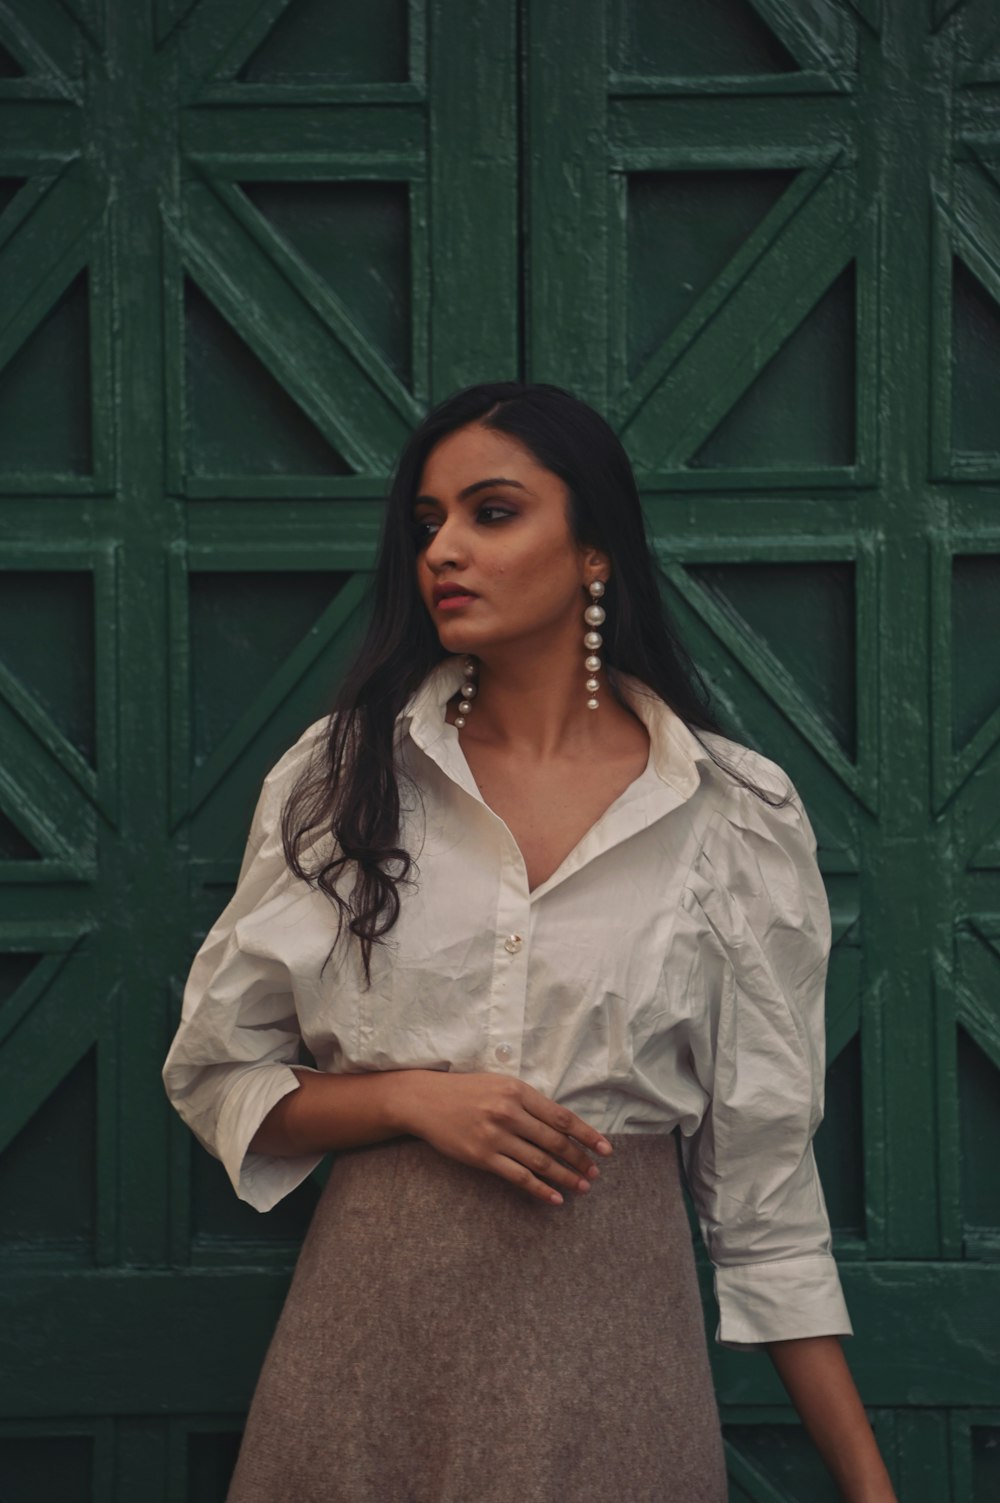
[[503, 1036], [649, 799], [509, 992]]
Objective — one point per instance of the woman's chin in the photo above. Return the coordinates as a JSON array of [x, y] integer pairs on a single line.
[[454, 636]]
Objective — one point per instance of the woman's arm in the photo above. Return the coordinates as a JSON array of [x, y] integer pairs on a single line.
[[329, 1112], [819, 1383], [491, 1121]]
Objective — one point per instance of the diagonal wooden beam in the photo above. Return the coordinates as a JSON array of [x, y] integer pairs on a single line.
[[286, 335], [771, 676], [338, 615], [218, 36], [16, 697], [37, 983], [321, 298], [41, 796], [747, 329], [39, 262], [45, 47], [819, 35], [40, 1052], [977, 992]]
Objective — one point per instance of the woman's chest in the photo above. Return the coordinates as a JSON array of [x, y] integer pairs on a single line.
[[475, 973], [548, 810], [476, 960]]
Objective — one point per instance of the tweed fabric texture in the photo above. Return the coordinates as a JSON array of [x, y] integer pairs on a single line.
[[448, 1339]]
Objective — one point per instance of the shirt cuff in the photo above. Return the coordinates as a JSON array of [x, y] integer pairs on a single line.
[[261, 1179], [779, 1301]]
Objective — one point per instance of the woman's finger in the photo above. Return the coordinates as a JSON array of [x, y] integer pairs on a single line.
[[561, 1120], [538, 1163], [554, 1142]]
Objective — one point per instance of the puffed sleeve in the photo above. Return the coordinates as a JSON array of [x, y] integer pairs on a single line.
[[231, 1056], [757, 913]]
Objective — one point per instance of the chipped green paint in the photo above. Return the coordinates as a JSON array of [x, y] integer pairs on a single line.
[[242, 246]]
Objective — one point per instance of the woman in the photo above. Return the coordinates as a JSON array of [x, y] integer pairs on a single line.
[[579, 950]]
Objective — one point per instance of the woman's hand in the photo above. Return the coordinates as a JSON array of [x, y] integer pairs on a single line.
[[500, 1123]]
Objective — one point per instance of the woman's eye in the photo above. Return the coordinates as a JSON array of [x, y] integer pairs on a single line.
[[424, 531]]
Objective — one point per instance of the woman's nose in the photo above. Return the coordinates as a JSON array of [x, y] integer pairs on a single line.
[[444, 545]]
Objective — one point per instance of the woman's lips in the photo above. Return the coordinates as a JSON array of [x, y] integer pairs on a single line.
[[455, 602]]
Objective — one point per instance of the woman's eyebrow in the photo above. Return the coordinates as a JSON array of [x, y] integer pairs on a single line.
[[477, 485]]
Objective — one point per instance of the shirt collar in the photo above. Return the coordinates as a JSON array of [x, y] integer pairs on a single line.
[[675, 752]]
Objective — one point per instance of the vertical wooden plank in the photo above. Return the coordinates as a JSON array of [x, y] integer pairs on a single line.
[[566, 193], [906, 899], [132, 128], [473, 195]]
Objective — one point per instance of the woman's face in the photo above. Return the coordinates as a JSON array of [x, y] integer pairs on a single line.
[[508, 544]]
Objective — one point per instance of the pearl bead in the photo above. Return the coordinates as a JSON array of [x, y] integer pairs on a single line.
[[592, 685], [596, 587], [592, 663], [593, 640], [591, 704], [468, 691], [594, 614]]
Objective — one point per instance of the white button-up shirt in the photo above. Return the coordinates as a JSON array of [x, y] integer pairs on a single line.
[[670, 973]]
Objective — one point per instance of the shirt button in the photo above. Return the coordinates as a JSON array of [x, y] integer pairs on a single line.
[[513, 943], [503, 1052]]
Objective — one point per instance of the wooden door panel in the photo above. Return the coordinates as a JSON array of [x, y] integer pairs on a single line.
[[243, 246]]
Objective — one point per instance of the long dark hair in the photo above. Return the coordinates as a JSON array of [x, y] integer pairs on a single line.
[[350, 788]]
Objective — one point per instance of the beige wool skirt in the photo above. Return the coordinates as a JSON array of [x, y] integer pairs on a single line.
[[448, 1339]]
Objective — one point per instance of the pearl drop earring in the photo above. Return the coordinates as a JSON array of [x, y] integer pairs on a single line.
[[593, 615], [468, 691]]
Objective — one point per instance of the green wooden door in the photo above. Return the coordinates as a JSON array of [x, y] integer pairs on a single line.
[[243, 244]]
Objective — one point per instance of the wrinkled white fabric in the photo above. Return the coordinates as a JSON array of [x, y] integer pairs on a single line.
[[670, 973]]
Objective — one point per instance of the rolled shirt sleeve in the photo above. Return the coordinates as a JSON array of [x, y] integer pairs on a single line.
[[230, 1059], [757, 913]]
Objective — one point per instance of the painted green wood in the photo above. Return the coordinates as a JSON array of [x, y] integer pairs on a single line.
[[243, 244]]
